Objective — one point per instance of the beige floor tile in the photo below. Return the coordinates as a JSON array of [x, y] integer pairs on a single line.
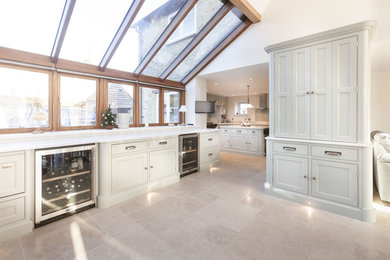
[[11, 249], [198, 249]]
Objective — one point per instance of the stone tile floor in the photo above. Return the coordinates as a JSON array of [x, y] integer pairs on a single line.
[[221, 213]]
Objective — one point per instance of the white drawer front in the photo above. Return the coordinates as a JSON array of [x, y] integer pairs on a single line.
[[225, 131], [11, 211], [163, 143], [349, 154], [11, 174], [209, 155], [239, 131], [129, 147], [253, 132], [209, 140], [291, 148]]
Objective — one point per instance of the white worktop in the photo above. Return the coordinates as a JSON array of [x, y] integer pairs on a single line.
[[243, 127], [19, 142]]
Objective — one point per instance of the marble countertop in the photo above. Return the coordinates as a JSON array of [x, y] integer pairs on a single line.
[[19, 142], [243, 127]]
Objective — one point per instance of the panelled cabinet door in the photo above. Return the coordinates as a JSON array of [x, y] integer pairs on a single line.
[[253, 143], [321, 91], [282, 81], [300, 93], [129, 171], [291, 173], [162, 164], [238, 142], [334, 181], [11, 174], [225, 140], [344, 89]]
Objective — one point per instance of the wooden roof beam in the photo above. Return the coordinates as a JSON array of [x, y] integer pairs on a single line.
[[224, 10], [179, 17], [247, 9], [217, 50], [62, 28], [120, 34]]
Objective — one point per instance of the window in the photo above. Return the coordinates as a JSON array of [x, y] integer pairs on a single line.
[[121, 99], [77, 102], [241, 108], [24, 99], [171, 106], [149, 105], [185, 29]]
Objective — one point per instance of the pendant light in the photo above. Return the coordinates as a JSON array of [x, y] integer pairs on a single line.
[[248, 105]]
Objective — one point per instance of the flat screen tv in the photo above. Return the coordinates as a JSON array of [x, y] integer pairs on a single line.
[[204, 106]]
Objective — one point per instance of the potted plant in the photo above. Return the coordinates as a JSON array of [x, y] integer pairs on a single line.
[[108, 119]]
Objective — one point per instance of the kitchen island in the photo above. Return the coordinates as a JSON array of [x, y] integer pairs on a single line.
[[247, 140]]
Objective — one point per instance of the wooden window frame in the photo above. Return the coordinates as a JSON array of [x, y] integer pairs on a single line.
[[104, 97], [50, 101], [57, 103], [162, 107]]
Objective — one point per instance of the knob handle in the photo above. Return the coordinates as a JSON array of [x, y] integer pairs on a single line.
[[314, 178], [304, 176], [145, 168], [151, 166]]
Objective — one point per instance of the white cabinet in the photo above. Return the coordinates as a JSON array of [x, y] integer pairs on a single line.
[[291, 173], [334, 181], [129, 171], [162, 164], [246, 141], [209, 148], [282, 93], [253, 143], [11, 174], [321, 91], [225, 140], [11, 210], [345, 89], [238, 141], [300, 93]]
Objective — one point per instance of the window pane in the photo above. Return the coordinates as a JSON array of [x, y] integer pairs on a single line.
[[149, 24], [199, 16], [92, 27], [171, 106], [30, 25], [24, 99], [149, 98], [120, 97], [220, 32], [78, 102]]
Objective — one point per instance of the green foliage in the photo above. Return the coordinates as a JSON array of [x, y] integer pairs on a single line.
[[108, 118]]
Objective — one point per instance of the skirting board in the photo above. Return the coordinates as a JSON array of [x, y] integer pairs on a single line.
[[18, 229], [367, 215], [242, 152], [109, 201]]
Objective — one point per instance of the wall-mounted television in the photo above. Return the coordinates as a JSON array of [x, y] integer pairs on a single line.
[[204, 106]]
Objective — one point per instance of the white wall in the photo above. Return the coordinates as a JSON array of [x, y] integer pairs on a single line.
[[253, 114], [380, 101], [196, 90]]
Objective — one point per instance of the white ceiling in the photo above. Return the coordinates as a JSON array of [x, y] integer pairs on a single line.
[[234, 82]]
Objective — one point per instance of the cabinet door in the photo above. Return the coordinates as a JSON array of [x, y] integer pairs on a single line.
[[253, 143], [282, 90], [11, 174], [334, 181], [300, 93], [321, 95], [291, 173], [225, 140], [344, 89], [238, 142], [163, 163], [129, 171]]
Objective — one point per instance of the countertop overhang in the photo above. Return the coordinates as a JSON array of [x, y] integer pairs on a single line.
[[19, 142]]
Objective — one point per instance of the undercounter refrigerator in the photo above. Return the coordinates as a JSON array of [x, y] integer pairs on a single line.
[[64, 181]]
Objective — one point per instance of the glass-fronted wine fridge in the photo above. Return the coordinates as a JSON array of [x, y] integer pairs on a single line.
[[64, 181]]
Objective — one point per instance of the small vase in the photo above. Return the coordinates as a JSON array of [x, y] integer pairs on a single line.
[[109, 127]]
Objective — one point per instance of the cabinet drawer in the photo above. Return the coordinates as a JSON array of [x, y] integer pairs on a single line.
[[253, 132], [129, 147], [11, 174], [348, 154], [209, 155], [239, 131], [225, 131], [11, 211], [163, 142], [291, 148], [209, 140]]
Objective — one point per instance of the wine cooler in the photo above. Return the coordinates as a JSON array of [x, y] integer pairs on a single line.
[[64, 181], [188, 154]]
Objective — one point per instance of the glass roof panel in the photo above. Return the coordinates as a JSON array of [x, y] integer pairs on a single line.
[[152, 19], [199, 16], [30, 25], [91, 29], [219, 33]]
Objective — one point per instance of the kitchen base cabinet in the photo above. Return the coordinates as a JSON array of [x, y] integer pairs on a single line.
[[243, 140], [209, 150], [129, 169], [291, 173]]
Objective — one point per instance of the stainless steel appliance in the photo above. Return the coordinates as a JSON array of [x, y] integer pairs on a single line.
[[64, 181], [188, 154]]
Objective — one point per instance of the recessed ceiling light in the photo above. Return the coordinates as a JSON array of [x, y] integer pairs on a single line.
[[250, 78], [216, 83]]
